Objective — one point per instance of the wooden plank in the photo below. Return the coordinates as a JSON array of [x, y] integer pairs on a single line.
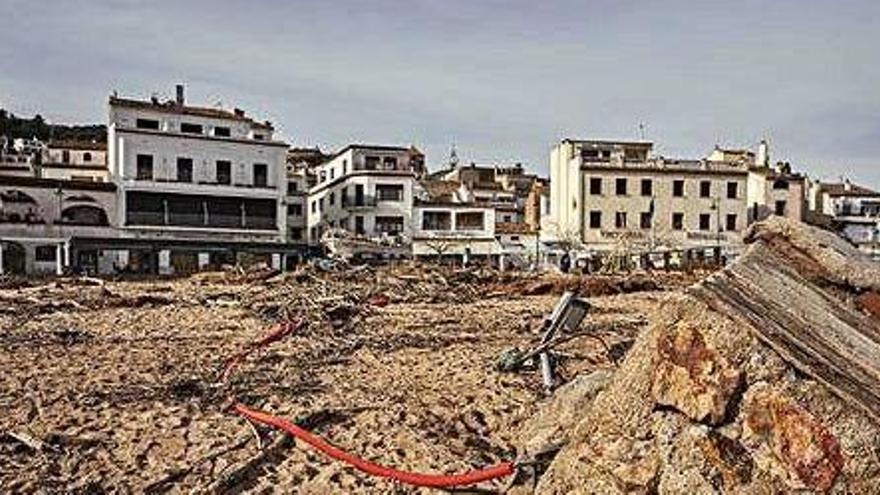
[[809, 327]]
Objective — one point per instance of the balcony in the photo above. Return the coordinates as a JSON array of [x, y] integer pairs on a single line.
[[357, 202]]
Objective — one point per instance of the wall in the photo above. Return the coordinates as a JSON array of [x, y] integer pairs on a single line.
[[665, 204]]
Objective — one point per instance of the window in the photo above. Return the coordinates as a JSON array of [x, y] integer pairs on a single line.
[[620, 219], [732, 190], [359, 225], [371, 162], [144, 167], [222, 132], [389, 225], [595, 219], [261, 175], [314, 206], [147, 124], [184, 170], [332, 173], [332, 198], [296, 233], [645, 220], [507, 218], [436, 220], [678, 221], [730, 222], [780, 208], [295, 210], [344, 167], [224, 172], [595, 186], [705, 188], [190, 128], [678, 188], [704, 221], [620, 187], [65, 156], [780, 184], [259, 137], [647, 187], [292, 187], [321, 204], [470, 220], [389, 192], [87, 157], [389, 163], [45, 253]]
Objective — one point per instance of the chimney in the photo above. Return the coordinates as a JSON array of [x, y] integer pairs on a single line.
[[763, 158], [238, 112], [847, 185], [180, 98]]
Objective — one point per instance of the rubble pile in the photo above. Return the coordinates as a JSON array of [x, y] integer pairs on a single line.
[[761, 378], [112, 384]]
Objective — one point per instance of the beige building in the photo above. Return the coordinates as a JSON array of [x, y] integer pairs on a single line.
[[608, 195]]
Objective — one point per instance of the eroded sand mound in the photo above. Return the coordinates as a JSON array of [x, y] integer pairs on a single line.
[[762, 378]]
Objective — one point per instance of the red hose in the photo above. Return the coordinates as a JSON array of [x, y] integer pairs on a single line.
[[426, 480], [279, 332]]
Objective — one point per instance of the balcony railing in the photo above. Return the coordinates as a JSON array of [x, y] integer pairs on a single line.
[[198, 220], [359, 201]]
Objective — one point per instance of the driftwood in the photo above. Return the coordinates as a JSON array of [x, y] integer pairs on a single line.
[[808, 325]]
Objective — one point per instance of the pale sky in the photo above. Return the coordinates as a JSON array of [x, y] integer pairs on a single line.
[[504, 81]]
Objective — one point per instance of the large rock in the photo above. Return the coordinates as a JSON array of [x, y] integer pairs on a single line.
[[556, 419], [691, 376], [786, 435], [690, 409]]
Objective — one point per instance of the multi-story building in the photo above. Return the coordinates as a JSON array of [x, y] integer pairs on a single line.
[[75, 160], [365, 190], [448, 223], [196, 185], [613, 194], [854, 212], [47, 225], [506, 188]]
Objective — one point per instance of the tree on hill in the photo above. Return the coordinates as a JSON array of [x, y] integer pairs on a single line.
[[13, 127]]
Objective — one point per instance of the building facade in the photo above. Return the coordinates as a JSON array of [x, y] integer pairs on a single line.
[[74, 160], [612, 195], [196, 186], [365, 190], [853, 210]]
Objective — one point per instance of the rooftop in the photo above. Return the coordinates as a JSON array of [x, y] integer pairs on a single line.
[[840, 189], [173, 107]]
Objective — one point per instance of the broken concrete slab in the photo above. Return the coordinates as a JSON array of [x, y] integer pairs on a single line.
[[690, 410]]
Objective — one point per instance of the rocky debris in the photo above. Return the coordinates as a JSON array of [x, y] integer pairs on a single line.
[[405, 351], [691, 376], [759, 379], [558, 416], [786, 435]]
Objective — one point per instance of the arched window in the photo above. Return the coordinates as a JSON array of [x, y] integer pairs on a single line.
[[16, 196], [84, 215], [87, 157]]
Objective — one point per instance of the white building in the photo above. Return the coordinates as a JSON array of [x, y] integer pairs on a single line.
[[196, 185], [366, 190], [48, 225], [854, 211], [448, 224], [75, 160]]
